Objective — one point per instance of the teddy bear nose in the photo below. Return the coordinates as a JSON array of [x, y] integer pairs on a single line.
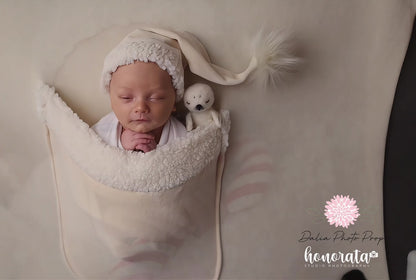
[[199, 107]]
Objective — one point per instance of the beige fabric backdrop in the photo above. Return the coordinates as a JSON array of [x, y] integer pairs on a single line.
[[291, 149]]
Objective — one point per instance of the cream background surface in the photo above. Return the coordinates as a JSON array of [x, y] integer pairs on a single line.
[[321, 134]]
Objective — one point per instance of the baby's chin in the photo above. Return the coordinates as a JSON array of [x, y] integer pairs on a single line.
[[141, 129]]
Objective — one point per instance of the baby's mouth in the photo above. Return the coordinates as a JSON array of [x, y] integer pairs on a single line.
[[141, 120]]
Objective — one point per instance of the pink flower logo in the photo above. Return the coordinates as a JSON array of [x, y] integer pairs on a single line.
[[341, 211]]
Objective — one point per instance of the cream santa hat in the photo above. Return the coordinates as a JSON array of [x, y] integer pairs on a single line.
[[172, 51]]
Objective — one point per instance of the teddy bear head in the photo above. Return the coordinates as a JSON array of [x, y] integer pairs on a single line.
[[198, 97]]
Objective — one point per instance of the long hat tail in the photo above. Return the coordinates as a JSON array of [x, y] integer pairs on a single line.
[[271, 58]]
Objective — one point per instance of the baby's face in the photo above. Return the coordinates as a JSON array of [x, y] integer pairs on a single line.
[[142, 97]]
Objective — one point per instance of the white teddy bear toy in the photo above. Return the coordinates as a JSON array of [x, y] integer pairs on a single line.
[[199, 98]]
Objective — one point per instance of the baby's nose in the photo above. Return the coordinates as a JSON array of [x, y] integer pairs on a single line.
[[141, 107]]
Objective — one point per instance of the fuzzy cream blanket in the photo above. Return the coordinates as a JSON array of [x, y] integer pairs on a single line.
[[127, 214]]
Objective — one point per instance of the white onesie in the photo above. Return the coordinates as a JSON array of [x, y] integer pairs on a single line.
[[109, 129]]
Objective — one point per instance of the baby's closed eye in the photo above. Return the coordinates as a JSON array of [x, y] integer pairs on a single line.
[[125, 98], [157, 97]]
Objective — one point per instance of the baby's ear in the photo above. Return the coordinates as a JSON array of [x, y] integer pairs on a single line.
[[174, 108]]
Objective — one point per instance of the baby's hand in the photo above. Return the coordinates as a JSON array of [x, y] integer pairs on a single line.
[[131, 140]]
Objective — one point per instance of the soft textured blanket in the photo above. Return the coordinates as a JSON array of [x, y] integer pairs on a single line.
[[128, 215]]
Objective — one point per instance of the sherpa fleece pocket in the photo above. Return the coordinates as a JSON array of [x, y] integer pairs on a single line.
[[125, 214]]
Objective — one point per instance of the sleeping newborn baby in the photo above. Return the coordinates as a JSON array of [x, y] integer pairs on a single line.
[[144, 78]]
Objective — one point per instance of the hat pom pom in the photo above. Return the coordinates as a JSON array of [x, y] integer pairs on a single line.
[[275, 58]]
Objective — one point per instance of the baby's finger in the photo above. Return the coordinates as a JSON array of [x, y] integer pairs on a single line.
[[147, 147], [144, 148], [143, 136], [152, 145], [142, 141]]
